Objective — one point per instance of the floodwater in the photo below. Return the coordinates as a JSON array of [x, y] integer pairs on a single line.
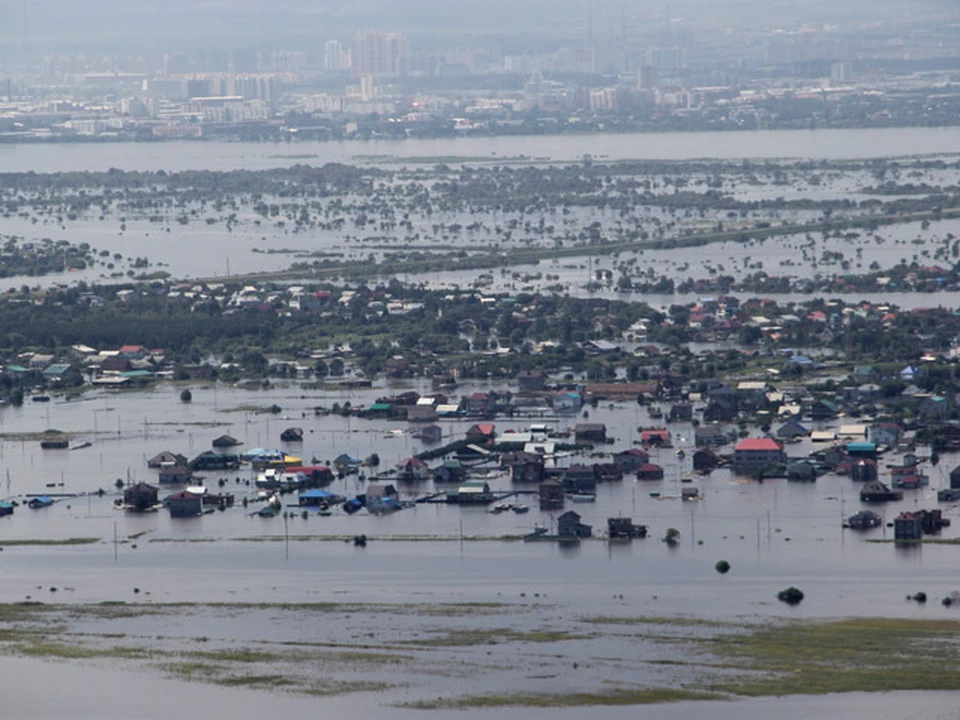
[[774, 534], [117, 694], [172, 156]]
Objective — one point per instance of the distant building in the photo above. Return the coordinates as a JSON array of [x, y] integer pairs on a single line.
[[379, 54]]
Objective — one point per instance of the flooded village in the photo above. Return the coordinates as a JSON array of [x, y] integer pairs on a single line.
[[535, 469]]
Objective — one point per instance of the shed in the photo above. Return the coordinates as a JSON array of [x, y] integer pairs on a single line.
[[316, 498]]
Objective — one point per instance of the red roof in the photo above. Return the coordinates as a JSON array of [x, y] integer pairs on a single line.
[[758, 444], [484, 428]]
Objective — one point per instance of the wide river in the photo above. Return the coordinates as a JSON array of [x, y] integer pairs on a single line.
[[211, 155]]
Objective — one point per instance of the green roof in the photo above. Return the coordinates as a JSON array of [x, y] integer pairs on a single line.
[[136, 374], [380, 407]]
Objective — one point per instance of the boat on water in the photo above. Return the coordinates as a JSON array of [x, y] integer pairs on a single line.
[[583, 498], [41, 501], [521, 509]]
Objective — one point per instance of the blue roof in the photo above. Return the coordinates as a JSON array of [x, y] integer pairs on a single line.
[[316, 493], [861, 447]]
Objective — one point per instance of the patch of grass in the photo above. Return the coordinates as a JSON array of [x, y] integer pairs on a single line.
[[619, 696], [493, 636], [46, 543], [240, 655], [49, 649], [323, 689], [674, 621], [853, 655], [256, 681]]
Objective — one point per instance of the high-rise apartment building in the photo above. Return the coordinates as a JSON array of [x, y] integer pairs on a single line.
[[335, 57], [379, 54]]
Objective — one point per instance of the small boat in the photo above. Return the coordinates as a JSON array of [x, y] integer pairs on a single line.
[[40, 398], [41, 501], [81, 446], [521, 509], [583, 498]]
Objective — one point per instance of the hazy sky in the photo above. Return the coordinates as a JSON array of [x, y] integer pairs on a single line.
[[125, 24]]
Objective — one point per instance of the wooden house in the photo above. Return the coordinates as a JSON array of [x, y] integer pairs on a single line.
[[530, 381], [166, 458], [579, 479], [623, 528], [412, 470], [681, 412], [876, 491], [184, 504], [607, 472], [649, 471], [429, 434], [590, 432], [451, 471], [710, 436], [655, 437], [629, 460], [551, 495], [907, 526], [523, 467], [569, 526], [472, 492], [481, 433], [175, 474], [140, 497]]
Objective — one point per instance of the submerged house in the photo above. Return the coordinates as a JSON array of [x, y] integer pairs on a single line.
[[755, 456], [472, 492], [184, 504], [381, 499], [570, 527], [141, 497], [412, 470]]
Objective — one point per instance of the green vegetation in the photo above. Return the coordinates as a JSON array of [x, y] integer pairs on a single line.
[[857, 655], [50, 543], [618, 696]]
